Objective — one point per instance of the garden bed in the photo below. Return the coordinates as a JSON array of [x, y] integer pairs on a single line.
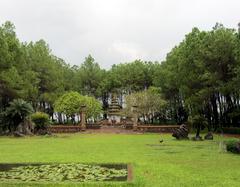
[[71, 172]]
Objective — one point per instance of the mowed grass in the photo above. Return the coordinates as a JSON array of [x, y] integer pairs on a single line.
[[171, 163]]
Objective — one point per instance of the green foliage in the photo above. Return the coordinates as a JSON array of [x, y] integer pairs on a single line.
[[94, 107], [233, 146], [90, 75], [70, 104], [18, 111], [3, 123], [231, 130], [12, 78], [41, 120], [130, 77], [20, 108], [200, 76], [62, 172], [30, 71], [148, 102], [197, 120]]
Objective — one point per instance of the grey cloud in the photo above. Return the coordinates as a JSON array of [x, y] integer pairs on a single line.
[[114, 31]]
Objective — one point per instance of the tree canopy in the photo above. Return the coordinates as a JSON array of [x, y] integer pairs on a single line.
[[200, 78], [149, 103], [71, 104]]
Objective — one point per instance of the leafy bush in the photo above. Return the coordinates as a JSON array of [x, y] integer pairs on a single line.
[[70, 104], [17, 112], [2, 124], [6, 123], [41, 120], [231, 130], [233, 146]]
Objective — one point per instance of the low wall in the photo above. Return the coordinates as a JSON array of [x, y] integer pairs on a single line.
[[64, 128], [141, 128], [93, 126], [157, 128]]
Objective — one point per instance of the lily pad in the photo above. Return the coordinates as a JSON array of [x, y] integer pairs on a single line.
[[63, 172]]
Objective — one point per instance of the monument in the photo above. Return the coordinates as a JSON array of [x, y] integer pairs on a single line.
[[135, 117], [114, 111], [181, 132], [83, 117]]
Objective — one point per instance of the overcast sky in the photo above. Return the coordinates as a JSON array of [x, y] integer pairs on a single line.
[[114, 31]]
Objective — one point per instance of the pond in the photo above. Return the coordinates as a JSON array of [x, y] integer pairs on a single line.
[[71, 172]]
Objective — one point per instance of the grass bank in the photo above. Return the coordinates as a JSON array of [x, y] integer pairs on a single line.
[[171, 163]]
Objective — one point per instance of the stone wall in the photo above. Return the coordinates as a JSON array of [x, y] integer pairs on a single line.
[[64, 128], [157, 128]]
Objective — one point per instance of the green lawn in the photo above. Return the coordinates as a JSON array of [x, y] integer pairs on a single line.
[[171, 163]]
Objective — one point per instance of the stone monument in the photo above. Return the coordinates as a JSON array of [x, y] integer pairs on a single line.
[[114, 111], [135, 117], [181, 132], [83, 117]]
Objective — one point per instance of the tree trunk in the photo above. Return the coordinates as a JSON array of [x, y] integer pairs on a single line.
[[198, 130], [60, 120]]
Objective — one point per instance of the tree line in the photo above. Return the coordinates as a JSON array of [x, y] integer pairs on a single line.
[[198, 81], [200, 78]]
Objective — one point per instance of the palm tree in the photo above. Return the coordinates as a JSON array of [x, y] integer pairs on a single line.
[[17, 112]]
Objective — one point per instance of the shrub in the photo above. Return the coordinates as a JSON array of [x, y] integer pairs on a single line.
[[231, 130], [70, 104], [233, 146], [17, 112], [41, 120]]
